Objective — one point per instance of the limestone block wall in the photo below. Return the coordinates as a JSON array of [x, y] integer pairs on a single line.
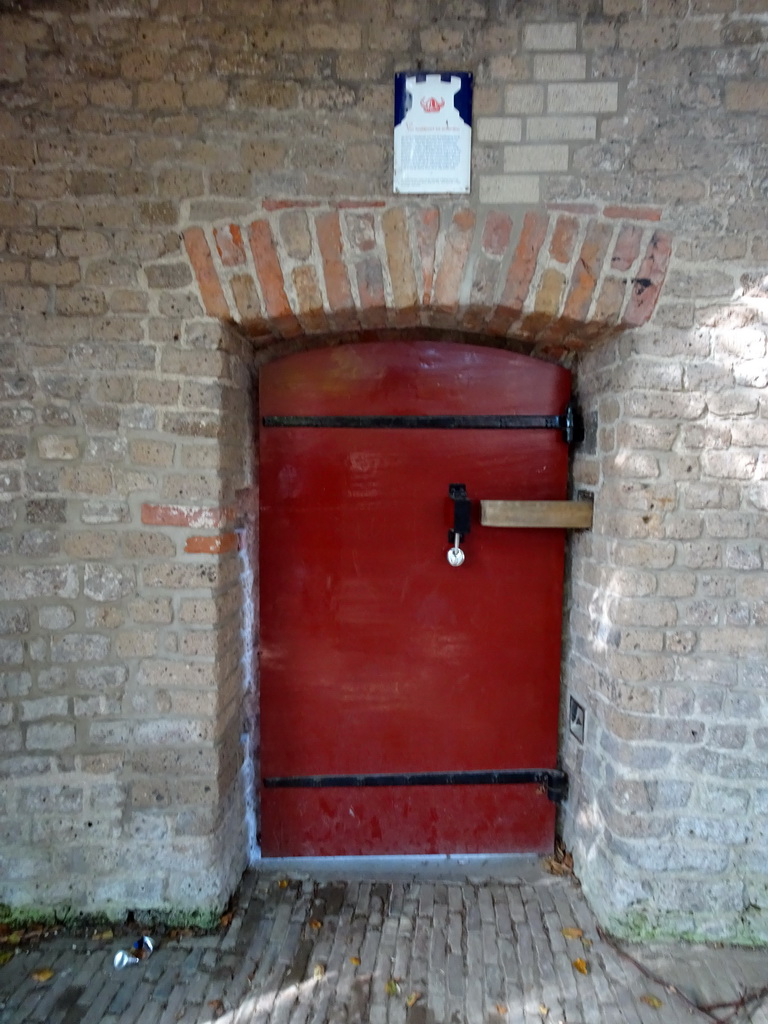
[[188, 188], [667, 626]]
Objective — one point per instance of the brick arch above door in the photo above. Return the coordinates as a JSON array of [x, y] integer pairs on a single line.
[[555, 279]]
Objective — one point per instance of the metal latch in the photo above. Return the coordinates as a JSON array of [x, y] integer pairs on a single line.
[[462, 516]]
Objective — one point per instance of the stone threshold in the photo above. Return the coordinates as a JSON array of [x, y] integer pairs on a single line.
[[472, 868]]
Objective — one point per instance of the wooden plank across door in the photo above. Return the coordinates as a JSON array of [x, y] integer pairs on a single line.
[[541, 515]]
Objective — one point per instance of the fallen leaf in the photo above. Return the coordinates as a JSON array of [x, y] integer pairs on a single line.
[[412, 999], [501, 1009], [543, 1010], [44, 974], [581, 965], [226, 920], [217, 1007], [391, 988], [572, 933], [653, 1001], [315, 924], [283, 883], [354, 960], [103, 936], [586, 943], [554, 867], [5, 956], [319, 971], [561, 863]]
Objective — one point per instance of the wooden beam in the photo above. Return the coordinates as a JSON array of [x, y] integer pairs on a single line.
[[564, 515]]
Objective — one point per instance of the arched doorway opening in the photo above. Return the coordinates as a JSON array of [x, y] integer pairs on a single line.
[[549, 283]]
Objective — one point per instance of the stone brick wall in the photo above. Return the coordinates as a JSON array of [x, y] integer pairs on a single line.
[[189, 188], [668, 623]]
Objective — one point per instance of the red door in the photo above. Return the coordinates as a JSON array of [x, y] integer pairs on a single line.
[[388, 676]]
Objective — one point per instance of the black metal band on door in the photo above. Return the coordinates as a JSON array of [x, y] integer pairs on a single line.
[[568, 423], [554, 779]]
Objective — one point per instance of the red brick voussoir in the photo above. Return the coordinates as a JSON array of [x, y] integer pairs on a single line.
[[649, 280], [211, 291]]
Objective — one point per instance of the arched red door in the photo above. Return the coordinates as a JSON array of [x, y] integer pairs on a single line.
[[403, 699]]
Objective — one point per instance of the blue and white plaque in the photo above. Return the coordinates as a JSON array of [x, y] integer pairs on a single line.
[[433, 131]]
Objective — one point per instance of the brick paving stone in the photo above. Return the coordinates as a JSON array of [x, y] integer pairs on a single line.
[[490, 942], [455, 898], [218, 989], [411, 900], [256, 995], [550, 987], [210, 958], [331, 957], [396, 899], [243, 965], [485, 904], [474, 967], [403, 946], [340, 972], [344, 980], [54, 994], [421, 939], [166, 983], [17, 976], [455, 932], [474, 952], [174, 1005], [243, 925], [134, 1011], [98, 1007], [370, 946], [426, 900], [130, 981], [383, 967], [151, 1013], [438, 957], [188, 1015], [440, 916], [363, 899], [456, 986], [156, 967], [66, 1010], [526, 961]]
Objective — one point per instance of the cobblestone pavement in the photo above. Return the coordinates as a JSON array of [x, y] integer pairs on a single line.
[[390, 949]]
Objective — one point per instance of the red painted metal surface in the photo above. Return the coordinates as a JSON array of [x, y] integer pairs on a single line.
[[377, 655]]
